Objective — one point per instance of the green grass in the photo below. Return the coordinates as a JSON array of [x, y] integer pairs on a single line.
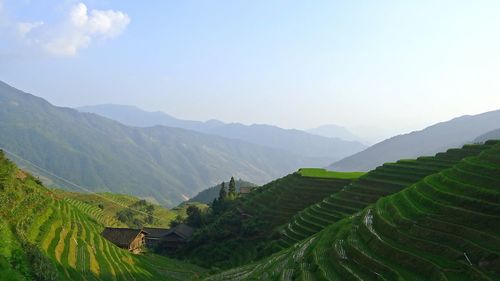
[[322, 173]]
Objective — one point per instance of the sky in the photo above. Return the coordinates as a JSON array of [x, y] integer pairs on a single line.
[[375, 67]]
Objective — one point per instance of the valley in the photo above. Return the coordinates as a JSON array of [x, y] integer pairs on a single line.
[[249, 140]]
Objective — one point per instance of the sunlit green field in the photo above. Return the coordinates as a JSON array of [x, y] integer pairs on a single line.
[[322, 173]]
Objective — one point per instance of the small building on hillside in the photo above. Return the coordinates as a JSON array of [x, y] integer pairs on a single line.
[[126, 238], [177, 236], [154, 235], [245, 190]]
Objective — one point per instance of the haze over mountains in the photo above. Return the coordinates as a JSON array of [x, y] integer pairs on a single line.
[[295, 141], [435, 138], [335, 131], [162, 163], [492, 135]]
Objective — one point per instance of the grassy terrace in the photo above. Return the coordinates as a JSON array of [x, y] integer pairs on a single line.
[[107, 205], [322, 173], [443, 227], [384, 180], [244, 233], [67, 231]]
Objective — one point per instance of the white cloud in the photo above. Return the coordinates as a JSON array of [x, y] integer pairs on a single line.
[[23, 28], [75, 32], [82, 27]]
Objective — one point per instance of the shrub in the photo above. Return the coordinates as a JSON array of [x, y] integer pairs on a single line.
[[42, 268]]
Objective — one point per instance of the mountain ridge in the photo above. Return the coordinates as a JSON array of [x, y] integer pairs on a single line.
[[293, 140], [103, 155], [428, 141]]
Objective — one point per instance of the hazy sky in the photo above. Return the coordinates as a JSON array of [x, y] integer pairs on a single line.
[[393, 65]]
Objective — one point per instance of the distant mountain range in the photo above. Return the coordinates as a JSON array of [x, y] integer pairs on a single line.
[[453, 133], [335, 131], [164, 163], [298, 142], [495, 134]]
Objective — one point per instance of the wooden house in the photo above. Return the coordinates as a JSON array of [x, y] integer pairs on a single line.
[[126, 238], [154, 235], [245, 190], [177, 236]]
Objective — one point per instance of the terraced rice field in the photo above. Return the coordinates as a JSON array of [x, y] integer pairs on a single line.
[[108, 205], [246, 231], [68, 232], [280, 200], [384, 180], [443, 227]]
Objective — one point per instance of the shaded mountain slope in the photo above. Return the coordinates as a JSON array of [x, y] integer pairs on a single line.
[[453, 133], [103, 155], [295, 141], [440, 228]]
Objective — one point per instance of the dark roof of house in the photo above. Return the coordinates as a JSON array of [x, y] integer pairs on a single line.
[[154, 232], [182, 230], [121, 236]]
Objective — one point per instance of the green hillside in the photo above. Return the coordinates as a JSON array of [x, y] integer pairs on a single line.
[[443, 227], [123, 210], [49, 237], [244, 233], [382, 181]]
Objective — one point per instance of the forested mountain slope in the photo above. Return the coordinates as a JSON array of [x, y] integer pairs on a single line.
[[294, 141], [99, 154]]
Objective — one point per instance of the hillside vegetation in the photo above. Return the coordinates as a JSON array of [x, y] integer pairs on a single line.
[[46, 236], [443, 227], [382, 181], [245, 232]]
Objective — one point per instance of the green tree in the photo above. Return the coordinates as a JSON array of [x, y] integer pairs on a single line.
[[232, 188], [222, 192], [178, 220], [194, 218]]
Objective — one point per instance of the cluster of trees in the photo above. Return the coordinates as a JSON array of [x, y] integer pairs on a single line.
[[223, 203], [137, 215], [195, 217], [198, 218]]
